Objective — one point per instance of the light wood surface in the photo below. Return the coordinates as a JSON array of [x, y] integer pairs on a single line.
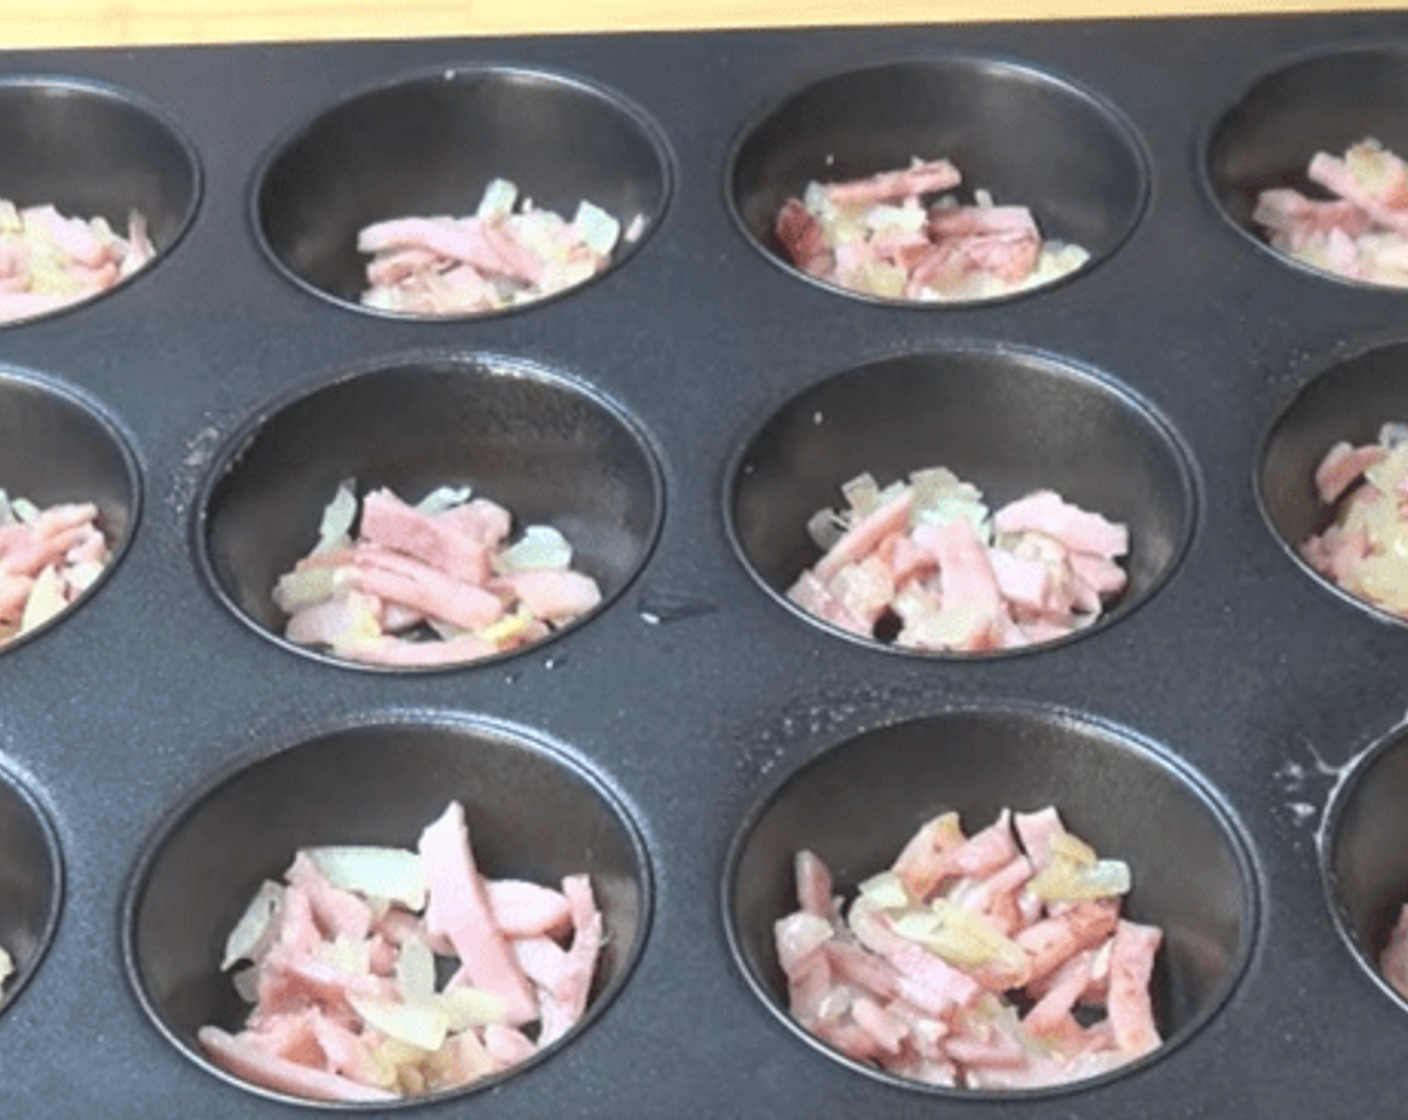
[[59, 23]]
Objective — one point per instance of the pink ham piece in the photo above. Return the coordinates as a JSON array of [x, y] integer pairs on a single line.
[[253, 1063], [459, 909], [388, 521]]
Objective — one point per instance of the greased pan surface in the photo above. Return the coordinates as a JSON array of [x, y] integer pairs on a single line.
[[1234, 728]]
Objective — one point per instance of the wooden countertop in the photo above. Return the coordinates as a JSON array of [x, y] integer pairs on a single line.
[[62, 23]]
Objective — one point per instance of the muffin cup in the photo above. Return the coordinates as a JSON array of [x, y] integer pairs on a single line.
[[1327, 102], [547, 450], [57, 448], [96, 151], [1008, 422], [1349, 401], [532, 815], [429, 144], [857, 803], [31, 884], [1028, 138]]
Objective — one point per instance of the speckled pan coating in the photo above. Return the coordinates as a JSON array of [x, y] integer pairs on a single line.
[[1235, 728]]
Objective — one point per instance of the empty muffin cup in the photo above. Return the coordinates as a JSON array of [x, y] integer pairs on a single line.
[[1349, 403], [1365, 861], [90, 152], [533, 816], [1027, 138], [430, 145], [57, 450], [546, 451], [1009, 423], [1324, 103], [856, 805], [30, 885]]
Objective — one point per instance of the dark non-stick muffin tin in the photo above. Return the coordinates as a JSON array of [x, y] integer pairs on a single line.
[[1233, 726]]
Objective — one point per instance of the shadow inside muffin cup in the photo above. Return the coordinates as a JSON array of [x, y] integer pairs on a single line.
[[856, 805], [1008, 422], [1326, 102], [1350, 401], [92, 151], [532, 815], [30, 885], [546, 450], [1026, 137], [55, 449], [1365, 856], [429, 145]]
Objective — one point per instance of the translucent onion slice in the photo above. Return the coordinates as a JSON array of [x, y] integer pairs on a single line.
[[541, 546], [251, 933], [393, 874], [422, 1026]]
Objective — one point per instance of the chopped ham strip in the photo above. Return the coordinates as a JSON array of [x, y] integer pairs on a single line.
[[879, 236], [924, 974], [926, 565], [49, 261], [347, 1003], [435, 584], [48, 558]]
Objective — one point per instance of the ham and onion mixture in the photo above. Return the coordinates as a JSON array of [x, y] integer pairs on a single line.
[[437, 583], [1360, 233], [996, 961], [48, 558], [926, 564], [343, 963], [48, 261], [878, 236], [1365, 548], [507, 253]]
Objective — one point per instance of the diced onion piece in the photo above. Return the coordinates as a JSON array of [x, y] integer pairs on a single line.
[[1072, 848], [497, 200], [422, 1026], [541, 546], [247, 939], [862, 493], [338, 515], [25, 510], [394, 874], [415, 971], [1065, 880], [466, 1007], [887, 891], [46, 599], [346, 954], [443, 498], [7, 965], [598, 229], [303, 588], [968, 940]]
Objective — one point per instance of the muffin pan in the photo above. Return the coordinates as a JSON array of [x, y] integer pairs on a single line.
[[1233, 726]]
